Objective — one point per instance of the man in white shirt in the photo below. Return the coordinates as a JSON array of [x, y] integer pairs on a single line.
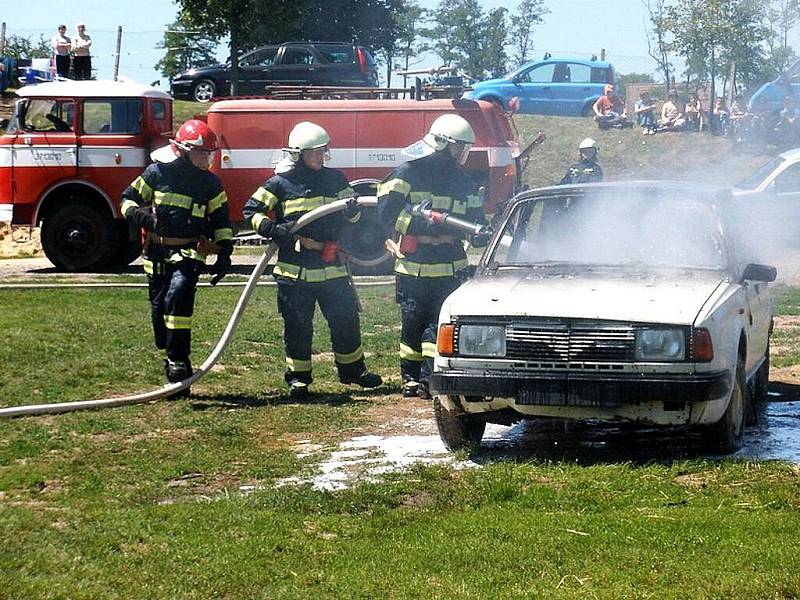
[[80, 48], [61, 45]]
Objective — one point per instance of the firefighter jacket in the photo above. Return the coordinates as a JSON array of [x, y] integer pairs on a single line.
[[286, 197], [437, 179], [584, 171], [188, 204]]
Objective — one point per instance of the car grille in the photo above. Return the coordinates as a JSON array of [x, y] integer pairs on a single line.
[[567, 342]]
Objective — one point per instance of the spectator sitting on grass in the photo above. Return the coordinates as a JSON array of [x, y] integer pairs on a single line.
[[672, 119], [720, 117], [609, 110], [694, 113], [645, 109]]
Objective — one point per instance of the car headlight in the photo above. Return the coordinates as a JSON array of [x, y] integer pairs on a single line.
[[660, 344], [482, 340]]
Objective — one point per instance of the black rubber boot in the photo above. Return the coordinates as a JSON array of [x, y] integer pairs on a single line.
[[176, 371], [410, 389], [365, 379], [298, 389]]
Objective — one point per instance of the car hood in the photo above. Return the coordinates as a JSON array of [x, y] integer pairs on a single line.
[[205, 69], [616, 295]]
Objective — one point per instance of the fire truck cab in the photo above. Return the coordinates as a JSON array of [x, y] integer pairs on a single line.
[[69, 151], [71, 148]]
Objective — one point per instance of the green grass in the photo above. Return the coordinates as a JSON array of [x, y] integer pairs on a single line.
[[144, 501]]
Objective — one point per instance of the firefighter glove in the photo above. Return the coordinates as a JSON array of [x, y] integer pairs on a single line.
[[223, 264], [351, 209], [143, 216]]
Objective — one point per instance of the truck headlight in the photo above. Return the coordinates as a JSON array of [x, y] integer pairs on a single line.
[[482, 340], [660, 344]]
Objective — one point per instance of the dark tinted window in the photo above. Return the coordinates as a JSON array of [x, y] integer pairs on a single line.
[[337, 54], [297, 56], [259, 58], [159, 111], [600, 75]]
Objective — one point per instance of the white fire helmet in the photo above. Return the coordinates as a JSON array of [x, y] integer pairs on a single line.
[[306, 136], [446, 129], [588, 143]]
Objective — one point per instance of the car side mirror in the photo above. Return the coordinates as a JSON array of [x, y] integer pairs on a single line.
[[516, 79], [4, 123], [757, 272], [466, 273]]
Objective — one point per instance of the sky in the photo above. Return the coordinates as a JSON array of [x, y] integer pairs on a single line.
[[572, 27]]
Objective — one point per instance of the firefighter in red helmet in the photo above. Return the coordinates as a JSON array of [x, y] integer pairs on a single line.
[[184, 211]]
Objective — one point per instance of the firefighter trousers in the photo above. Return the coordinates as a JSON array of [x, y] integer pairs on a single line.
[[297, 301], [171, 290], [420, 300]]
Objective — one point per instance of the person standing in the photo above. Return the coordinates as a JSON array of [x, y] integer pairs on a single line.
[[587, 169], [310, 270], [178, 201], [82, 61], [61, 45], [429, 255]]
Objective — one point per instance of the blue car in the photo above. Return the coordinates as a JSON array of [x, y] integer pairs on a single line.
[[551, 86]]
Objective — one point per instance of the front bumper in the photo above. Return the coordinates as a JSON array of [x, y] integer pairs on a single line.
[[583, 389], [181, 88]]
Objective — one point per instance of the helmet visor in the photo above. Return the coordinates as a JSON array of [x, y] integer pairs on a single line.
[[460, 151]]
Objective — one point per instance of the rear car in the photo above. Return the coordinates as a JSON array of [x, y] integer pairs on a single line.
[[661, 323], [292, 63], [551, 86]]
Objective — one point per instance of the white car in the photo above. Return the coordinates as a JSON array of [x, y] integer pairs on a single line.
[[621, 301]]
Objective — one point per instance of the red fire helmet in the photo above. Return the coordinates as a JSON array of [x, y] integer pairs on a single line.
[[196, 134]]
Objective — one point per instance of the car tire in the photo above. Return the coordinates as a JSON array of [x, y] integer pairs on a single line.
[[457, 428], [77, 237], [204, 90], [725, 436]]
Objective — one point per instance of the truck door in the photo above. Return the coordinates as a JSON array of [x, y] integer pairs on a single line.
[[45, 150], [112, 143]]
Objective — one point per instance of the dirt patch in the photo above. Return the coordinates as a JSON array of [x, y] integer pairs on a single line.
[[19, 241], [695, 481]]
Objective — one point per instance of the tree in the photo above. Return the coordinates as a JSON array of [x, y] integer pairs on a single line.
[[410, 41], [781, 18], [657, 46], [529, 14], [464, 36], [22, 47], [185, 49], [713, 34]]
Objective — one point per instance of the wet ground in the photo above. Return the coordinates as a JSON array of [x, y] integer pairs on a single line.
[[776, 436]]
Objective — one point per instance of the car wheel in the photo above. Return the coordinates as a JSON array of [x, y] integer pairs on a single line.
[[204, 90], [725, 436], [457, 428], [77, 237]]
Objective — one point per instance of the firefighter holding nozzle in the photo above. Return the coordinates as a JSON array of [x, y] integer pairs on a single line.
[[184, 212], [429, 254], [310, 268]]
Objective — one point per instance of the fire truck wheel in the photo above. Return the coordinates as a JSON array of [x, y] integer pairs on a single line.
[[77, 237], [204, 90], [367, 245], [129, 249]]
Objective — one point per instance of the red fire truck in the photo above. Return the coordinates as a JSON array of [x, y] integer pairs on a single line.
[[72, 147]]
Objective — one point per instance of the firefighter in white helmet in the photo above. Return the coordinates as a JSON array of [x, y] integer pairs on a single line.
[[309, 269], [587, 169], [184, 210], [429, 256]]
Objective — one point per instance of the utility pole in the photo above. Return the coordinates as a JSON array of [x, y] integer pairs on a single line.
[[3, 39], [116, 54]]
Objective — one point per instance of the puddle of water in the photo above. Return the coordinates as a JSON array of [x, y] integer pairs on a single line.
[[776, 436]]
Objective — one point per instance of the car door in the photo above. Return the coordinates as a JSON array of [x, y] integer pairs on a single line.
[[535, 89], [45, 150], [572, 86], [255, 70], [295, 65], [759, 317]]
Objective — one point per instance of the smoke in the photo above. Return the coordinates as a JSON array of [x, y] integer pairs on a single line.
[[623, 225]]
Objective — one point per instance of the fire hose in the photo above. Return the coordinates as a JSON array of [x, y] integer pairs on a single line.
[[448, 220], [173, 388]]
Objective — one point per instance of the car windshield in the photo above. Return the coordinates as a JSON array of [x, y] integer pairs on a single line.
[[754, 180], [615, 227]]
